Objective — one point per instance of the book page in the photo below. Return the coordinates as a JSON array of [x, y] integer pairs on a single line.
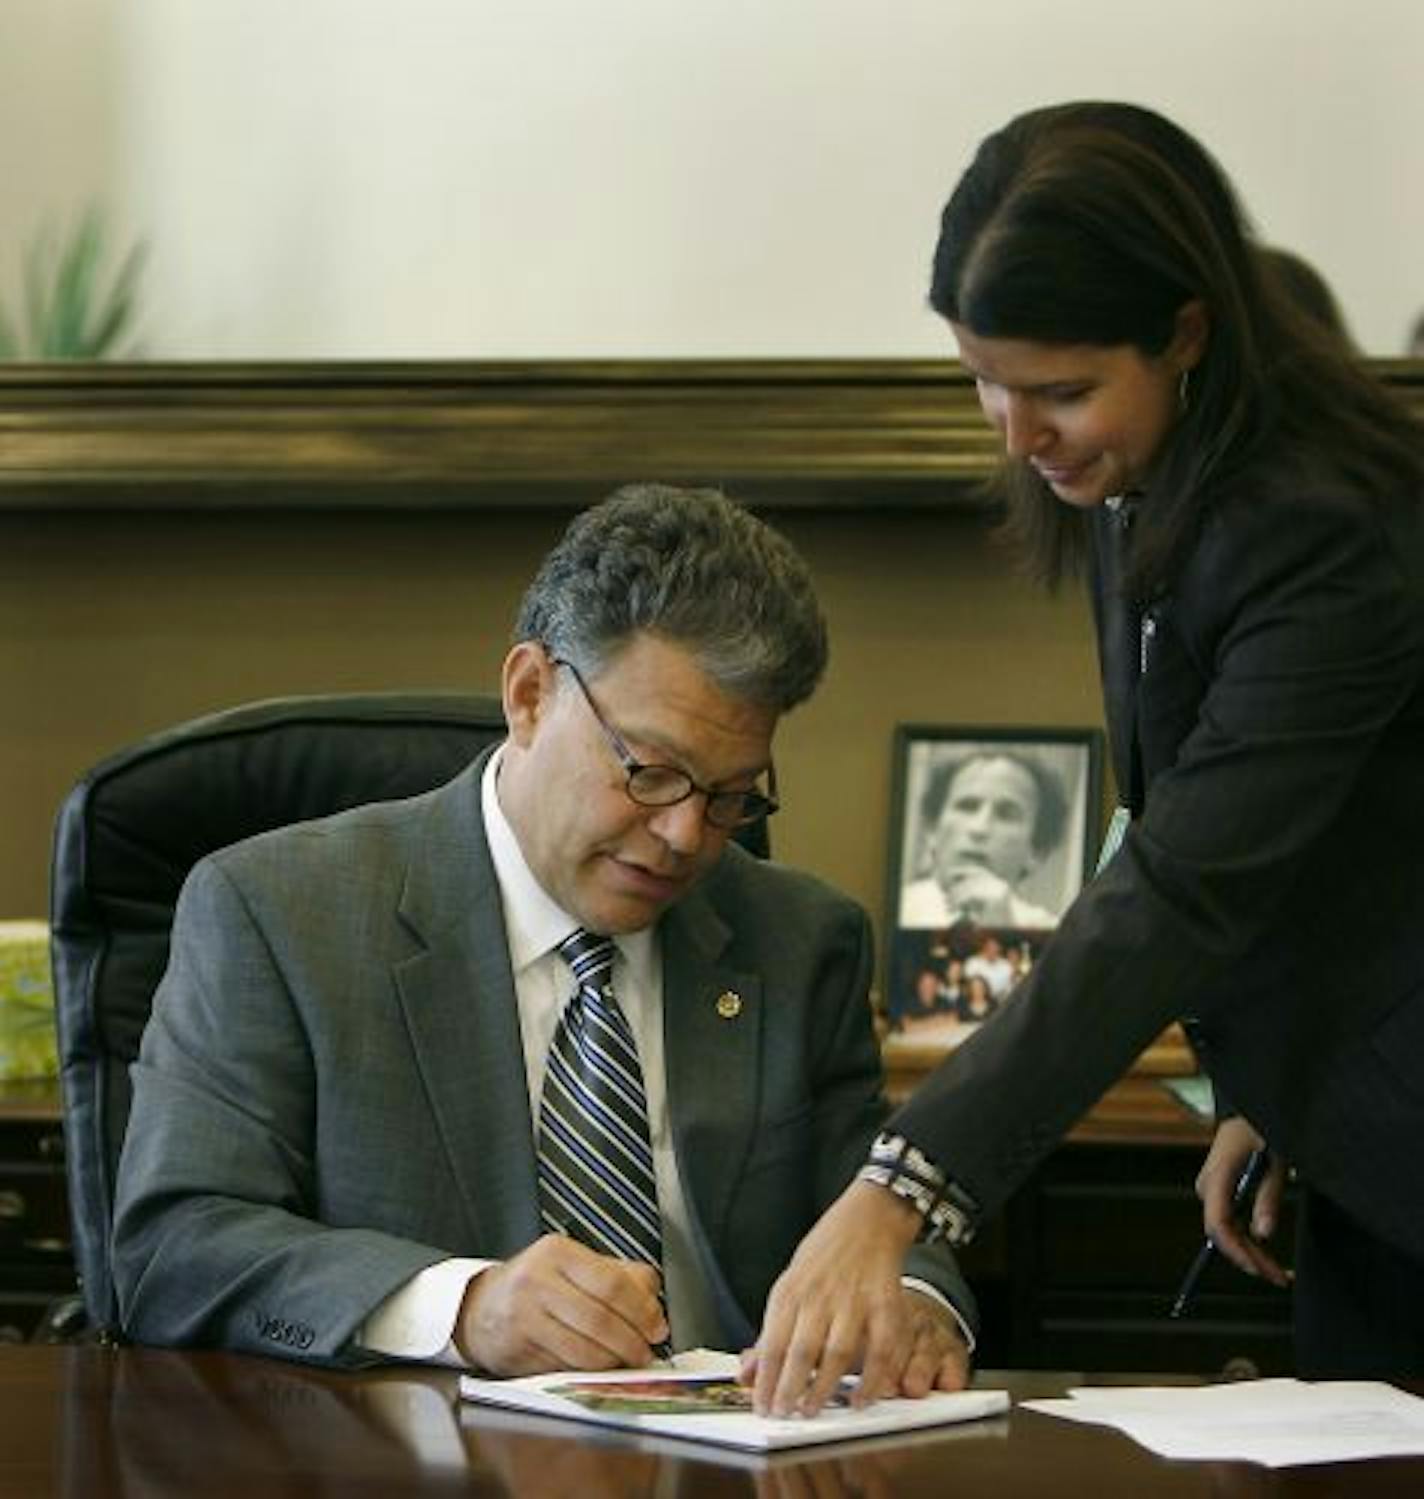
[[697, 1397]]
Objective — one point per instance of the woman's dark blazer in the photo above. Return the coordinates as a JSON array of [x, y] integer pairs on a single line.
[[1266, 715]]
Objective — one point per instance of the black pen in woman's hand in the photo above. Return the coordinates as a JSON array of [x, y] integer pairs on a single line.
[[1241, 1199]]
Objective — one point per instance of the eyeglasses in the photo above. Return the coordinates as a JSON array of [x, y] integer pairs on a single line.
[[665, 785]]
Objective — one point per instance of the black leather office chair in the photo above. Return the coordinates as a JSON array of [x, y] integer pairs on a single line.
[[126, 837]]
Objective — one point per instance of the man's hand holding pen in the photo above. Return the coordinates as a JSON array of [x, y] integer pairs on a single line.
[[561, 1305], [1239, 1230]]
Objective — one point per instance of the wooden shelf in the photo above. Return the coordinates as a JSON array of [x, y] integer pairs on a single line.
[[31, 1099], [1137, 1110], [775, 433], [830, 434]]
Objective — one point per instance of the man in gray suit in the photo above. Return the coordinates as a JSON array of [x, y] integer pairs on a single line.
[[338, 1133]]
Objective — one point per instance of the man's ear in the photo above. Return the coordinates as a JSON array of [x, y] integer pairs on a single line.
[[1190, 335], [526, 687]]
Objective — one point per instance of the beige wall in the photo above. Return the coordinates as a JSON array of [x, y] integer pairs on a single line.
[[59, 86], [648, 178], [111, 627]]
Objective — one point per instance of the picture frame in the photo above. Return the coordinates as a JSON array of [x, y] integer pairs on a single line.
[[994, 830]]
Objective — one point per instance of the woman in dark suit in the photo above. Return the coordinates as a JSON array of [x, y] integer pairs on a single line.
[[1247, 504]]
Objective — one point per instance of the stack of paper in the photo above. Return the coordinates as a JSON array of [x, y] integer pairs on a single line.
[[1277, 1422]]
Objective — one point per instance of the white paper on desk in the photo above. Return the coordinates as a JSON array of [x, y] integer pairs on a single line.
[[730, 1428], [1276, 1422]]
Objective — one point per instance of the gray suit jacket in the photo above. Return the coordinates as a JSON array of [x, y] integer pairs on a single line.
[[331, 1091]]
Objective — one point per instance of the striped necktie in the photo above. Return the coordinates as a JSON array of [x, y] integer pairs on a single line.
[[595, 1159]]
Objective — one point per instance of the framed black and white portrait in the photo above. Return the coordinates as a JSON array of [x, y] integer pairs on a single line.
[[994, 831]]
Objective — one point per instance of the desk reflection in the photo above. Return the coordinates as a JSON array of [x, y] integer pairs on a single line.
[[545, 1458], [88, 1423], [145, 1423]]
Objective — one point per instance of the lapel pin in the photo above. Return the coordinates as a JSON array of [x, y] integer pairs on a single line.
[[729, 1005]]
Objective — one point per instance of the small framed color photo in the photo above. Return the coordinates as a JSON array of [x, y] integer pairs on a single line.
[[993, 832]]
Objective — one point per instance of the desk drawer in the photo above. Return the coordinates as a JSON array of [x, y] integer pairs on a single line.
[[1117, 1220], [1241, 1335], [1083, 1265], [36, 1256], [34, 1207]]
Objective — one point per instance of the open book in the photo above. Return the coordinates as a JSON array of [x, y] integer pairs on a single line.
[[696, 1396]]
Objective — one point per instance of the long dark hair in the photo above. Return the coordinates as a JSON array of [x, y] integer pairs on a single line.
[[1094, 223]]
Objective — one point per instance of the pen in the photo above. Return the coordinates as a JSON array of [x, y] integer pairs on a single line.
[[574, 1230], [1246, 1185]]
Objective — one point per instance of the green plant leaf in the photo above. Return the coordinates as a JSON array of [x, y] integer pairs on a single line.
[[68, 315], [74, 290], [115, 312]]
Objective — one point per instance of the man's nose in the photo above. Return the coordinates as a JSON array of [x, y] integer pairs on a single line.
[[979, 821], [683, 825]]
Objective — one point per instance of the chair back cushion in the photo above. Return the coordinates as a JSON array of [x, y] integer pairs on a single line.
[[132, 828]]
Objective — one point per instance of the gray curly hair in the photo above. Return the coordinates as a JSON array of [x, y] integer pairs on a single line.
[[691, 566]]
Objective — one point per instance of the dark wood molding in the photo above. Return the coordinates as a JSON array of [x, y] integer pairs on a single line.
[[486, 435], [814, 433]]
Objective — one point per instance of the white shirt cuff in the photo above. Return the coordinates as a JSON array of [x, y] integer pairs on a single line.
[[914, 1283], [418, 1321]]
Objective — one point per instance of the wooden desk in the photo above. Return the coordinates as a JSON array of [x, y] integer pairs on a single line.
[[90, 1423]]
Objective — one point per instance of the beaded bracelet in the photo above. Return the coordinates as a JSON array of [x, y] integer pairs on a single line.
[[904, 1169]]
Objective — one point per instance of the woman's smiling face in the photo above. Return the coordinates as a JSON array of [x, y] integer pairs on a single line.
[[1090, 419]]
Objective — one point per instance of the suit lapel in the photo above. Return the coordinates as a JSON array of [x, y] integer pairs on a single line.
[[1119, 627], [458, 997], [712, 1028]]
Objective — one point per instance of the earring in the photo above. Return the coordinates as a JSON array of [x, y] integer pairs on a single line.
[[1184, 391]]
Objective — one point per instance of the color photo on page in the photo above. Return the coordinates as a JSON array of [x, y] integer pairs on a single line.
[[645, 1396]]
